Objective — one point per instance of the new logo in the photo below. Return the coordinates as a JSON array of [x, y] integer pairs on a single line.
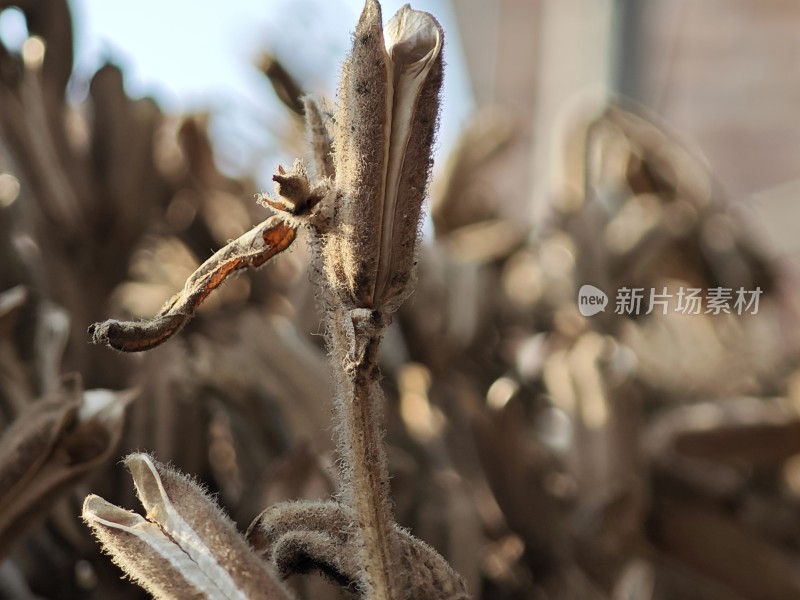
[[591, 300]]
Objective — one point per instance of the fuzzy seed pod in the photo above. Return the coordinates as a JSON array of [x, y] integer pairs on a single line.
[[388, 107], [185, 547]]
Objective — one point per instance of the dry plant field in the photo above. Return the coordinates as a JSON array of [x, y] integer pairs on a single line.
[[307, 397]]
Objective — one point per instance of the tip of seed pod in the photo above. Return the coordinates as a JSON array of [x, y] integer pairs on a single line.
[[370, 14]]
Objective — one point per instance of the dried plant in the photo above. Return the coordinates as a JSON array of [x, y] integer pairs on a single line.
[[186, 548], [54, 443], [544, 454], [363, 209], [251, 250]]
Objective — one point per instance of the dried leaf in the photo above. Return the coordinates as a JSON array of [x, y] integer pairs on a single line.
[[251, 250], [301, 536]]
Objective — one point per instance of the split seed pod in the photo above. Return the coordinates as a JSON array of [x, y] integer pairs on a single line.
[[185, 547], [388, 107]]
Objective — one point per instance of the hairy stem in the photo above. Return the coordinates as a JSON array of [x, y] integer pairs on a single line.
[[355, 344]]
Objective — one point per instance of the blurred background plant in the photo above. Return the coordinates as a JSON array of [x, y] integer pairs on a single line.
[[543, 453]]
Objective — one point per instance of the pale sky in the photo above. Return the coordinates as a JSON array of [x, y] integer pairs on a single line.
[[194, 55]]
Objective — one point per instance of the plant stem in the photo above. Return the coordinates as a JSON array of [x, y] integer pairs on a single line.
[[360, 442]]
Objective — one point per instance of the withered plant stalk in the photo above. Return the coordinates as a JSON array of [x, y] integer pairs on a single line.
[[361, 199], [363, 456], [388, 107]]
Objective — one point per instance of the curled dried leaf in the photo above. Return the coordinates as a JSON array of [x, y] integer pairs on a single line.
[[298, 537], [251, 250], [289, 517], [299, 552]]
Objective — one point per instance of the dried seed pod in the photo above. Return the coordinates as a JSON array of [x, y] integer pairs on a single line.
[[186, 547], [385, 125], [56, 442], [144, 552]]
